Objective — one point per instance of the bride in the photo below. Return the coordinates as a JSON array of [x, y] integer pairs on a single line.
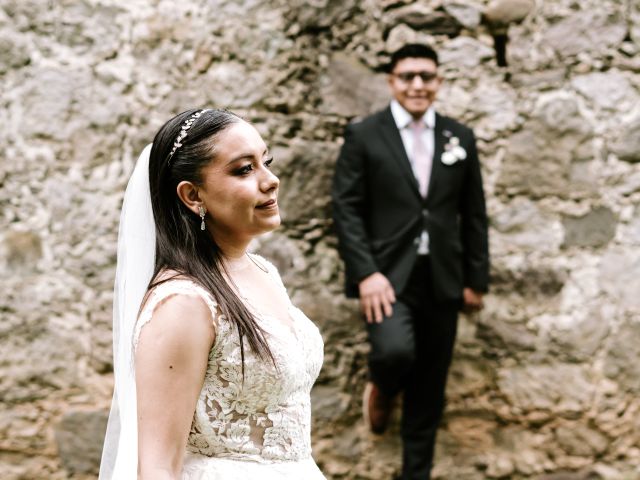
[[213, 364]]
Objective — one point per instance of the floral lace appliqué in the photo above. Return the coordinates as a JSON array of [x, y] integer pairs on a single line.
[[265, 417]]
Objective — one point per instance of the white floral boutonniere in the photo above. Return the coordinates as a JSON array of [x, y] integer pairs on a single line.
[[453, 152]]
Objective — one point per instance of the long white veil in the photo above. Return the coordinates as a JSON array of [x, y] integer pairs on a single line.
[[136, 257]]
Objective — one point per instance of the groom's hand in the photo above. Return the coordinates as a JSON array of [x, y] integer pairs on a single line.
[[472, 300], [376, 297]]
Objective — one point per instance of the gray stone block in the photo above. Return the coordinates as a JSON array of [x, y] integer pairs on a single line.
[[79, 438], [595, 229]]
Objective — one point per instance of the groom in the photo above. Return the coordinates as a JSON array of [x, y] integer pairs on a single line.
[[410, 217]]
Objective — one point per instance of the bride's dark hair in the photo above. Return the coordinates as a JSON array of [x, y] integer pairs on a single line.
[[181, 246]]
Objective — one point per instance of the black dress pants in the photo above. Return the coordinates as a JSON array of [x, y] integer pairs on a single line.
[[411, 352]]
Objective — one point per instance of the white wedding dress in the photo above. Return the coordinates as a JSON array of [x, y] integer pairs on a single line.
[[259, 428]]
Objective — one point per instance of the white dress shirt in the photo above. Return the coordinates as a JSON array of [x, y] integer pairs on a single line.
[[403, 120]]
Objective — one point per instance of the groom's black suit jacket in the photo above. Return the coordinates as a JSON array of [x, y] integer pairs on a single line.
[[379, 212]]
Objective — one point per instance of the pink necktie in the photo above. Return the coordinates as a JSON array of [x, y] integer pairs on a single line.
[[421, 157]]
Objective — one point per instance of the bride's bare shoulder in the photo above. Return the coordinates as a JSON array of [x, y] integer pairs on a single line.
[[163, 276]]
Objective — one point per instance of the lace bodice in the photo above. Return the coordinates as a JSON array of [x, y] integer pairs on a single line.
[[266, 417]]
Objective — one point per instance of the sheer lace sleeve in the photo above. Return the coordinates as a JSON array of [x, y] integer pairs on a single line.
[[166, 290]]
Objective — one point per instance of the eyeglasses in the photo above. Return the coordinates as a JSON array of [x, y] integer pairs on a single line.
[[407, 77]]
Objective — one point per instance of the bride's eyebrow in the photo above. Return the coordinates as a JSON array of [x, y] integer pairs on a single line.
[[242, 156], [247, 156]]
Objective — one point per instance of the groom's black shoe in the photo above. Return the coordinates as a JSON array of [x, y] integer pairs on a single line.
[[376, 408]]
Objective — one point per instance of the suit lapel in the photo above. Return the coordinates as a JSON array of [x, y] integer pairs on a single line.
[[389, 132], [438, 148]]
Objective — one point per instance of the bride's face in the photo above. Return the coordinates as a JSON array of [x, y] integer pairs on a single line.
[[238, 188]]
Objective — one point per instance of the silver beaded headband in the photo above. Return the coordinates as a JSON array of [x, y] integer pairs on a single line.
[[183, 133]]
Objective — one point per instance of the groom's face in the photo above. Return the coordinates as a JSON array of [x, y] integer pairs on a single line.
[[414, 83]]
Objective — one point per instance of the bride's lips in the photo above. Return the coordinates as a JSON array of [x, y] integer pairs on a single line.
[[271, 204]]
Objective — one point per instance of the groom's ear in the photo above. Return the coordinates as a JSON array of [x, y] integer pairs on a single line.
[[188, 194]]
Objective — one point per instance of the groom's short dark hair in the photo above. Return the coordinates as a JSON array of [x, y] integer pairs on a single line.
[[412, 50]]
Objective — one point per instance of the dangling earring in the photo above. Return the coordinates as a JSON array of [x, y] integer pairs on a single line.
[[202, 214]]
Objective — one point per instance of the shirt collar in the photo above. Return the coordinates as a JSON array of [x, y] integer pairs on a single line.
[[402, 118]]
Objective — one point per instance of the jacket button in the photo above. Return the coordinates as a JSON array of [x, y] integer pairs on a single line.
[[425, 212]]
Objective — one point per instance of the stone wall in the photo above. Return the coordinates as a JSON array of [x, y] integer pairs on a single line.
[[545, 382]]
